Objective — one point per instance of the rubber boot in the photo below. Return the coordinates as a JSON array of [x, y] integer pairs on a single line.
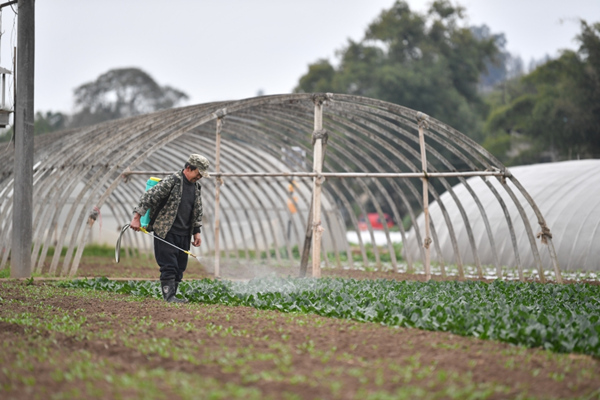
[[169, 289], [184, 300]]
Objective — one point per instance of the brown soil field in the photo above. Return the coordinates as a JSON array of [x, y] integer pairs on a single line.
[[66, 343]]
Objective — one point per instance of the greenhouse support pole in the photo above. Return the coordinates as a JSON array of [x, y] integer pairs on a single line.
[[318, 135], [422, 121], [218, 182], [309, 231], [554, 258]]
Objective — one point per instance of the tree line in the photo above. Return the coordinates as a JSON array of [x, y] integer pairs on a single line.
[[552, 113], [464, 76], [118, 93], [431, 62]]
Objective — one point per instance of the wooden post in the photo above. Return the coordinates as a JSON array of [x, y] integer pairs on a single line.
[[322, 134], [317, 184], [22, 223], [218, 182], [422, 121], [307, 242]]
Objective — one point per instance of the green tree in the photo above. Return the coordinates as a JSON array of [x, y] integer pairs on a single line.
[[116, 94], [43, 123], [503, 67], [319, 77], [49, 122], [426, 62], [121, 93], [557, 106]]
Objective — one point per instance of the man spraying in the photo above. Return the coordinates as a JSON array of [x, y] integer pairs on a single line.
[[175, 206]]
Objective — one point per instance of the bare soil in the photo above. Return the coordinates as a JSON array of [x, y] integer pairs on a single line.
[[274, 355]]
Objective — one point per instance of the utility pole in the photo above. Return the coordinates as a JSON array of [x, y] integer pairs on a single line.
[[20, 266]]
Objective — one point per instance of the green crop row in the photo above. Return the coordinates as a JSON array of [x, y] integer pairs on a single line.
[[354, 253], [562, 318]]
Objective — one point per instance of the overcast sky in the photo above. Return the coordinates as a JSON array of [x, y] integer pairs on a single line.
[[232, 49]]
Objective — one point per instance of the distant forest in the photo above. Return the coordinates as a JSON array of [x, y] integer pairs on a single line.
[[464, 77], [431, 62]]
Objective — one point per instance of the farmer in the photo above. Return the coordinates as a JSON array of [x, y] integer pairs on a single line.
[[176, 216]]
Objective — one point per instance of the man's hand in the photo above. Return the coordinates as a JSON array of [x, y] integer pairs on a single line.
[[197, 240], [135, 222]]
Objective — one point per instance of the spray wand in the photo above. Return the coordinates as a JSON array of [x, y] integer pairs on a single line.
[[142, 229]]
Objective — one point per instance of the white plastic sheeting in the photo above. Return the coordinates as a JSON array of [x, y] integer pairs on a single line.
[[568, 195]]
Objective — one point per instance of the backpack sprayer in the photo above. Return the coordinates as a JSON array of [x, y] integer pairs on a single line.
[[145, 221]]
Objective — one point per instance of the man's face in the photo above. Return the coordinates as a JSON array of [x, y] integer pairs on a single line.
[[192, 175]]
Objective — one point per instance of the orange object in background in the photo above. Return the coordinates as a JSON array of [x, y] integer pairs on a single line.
[[292, 200], [375, 221], [291, 203]]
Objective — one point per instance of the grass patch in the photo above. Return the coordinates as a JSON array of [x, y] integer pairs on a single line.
[[355, 253], [91, 250]]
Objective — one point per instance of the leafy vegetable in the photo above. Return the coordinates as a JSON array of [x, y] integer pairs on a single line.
[[562, 318]]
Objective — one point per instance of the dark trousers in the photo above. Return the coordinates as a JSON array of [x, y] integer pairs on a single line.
[[172, 262]]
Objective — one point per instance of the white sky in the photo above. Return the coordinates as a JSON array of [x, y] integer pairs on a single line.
[[231, 49]]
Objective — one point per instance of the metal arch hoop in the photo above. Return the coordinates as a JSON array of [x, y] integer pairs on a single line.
[[357, 126], [118, 245]]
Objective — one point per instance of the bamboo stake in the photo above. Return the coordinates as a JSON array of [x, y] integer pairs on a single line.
[[218, 183], [316, 222], [554, 258], [307, 242], [341, 175], [422, 120], [309, 231], [317, 183]]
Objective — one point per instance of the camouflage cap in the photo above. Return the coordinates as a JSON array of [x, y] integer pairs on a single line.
[[199, 162]]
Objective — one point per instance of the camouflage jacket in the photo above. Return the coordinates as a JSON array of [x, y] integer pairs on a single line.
[[170, 187]]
